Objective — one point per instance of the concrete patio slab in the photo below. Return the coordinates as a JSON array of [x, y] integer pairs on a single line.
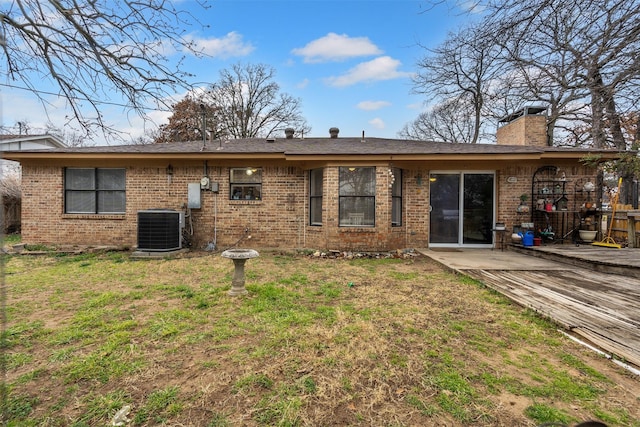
[[488, 259]]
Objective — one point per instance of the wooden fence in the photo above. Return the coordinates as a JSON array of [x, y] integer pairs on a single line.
[[626, 225]]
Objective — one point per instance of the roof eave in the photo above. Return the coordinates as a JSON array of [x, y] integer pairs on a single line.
[[17, 156], [604, 155]]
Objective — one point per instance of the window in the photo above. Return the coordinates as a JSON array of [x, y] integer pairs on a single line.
[[395, 177], [94, 190], [315, 196], [357, 196], [245, 184]]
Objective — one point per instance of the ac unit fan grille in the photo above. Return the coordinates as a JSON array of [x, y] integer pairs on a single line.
[[159, 230]]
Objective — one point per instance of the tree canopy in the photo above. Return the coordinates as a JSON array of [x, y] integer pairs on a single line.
[[577, 58], [90, 50], [245, 102]]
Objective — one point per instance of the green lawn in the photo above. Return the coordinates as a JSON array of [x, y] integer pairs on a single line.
[[316, 342]]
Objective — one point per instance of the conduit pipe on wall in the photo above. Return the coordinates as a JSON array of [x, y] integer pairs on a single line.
[[212, 246], [215, 221]]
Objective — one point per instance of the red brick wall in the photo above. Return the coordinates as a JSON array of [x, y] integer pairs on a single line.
[[526, 130], [279, 220], [509, 192], [383, 236]]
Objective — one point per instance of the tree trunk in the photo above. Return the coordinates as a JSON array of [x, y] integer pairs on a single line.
[[594, 82], [614, 123]]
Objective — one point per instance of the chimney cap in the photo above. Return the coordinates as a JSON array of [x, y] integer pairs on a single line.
[[334, 131], [525, 111]]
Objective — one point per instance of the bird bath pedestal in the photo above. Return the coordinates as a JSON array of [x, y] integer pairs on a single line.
[[239, 257]]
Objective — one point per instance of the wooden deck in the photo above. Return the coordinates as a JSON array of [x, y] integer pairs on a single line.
[[580, 293], [625, 262], [596, 306]]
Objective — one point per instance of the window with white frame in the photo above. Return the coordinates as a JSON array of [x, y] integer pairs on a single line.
[[395, 178], [315, 196], [245, 184], [357, 201], [94, 190]]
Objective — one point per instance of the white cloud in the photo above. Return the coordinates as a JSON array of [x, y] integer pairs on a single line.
[[303, 84], [377, 123], [382, 68], [372, 105], [231, 45], [473, 7], [336, 47]]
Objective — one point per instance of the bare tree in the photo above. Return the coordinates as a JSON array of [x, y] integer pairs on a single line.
[[150, 136], [91, 49], [450, 121], [70, 137], [574, 55], [461, 69], [249, 103], [524, 83], [577, 58]]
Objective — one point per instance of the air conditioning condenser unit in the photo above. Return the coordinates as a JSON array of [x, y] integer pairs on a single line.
[[159, 230]]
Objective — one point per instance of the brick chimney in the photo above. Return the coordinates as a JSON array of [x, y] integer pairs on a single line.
[[333, 132], [524, 127], [288, 133]]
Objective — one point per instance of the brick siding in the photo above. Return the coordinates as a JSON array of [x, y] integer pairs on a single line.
[[526, 130], [279, 220]]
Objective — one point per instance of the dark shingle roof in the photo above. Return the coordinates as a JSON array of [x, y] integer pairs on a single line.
[[324, 147]]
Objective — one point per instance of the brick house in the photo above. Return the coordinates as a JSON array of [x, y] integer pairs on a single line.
[[9, 188], [343, 193]]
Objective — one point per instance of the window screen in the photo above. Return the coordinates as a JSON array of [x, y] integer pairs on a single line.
[[94, 190], [357, 196]]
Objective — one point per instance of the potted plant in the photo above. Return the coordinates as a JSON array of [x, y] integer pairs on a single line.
[[523, 207]]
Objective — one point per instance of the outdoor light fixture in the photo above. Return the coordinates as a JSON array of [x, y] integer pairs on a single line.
[[169, 170], [250, 171]]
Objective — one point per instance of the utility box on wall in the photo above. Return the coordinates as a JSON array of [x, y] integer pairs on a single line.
[[193, 201]]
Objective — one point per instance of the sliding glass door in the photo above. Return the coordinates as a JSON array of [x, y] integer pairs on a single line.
[[461, 208]]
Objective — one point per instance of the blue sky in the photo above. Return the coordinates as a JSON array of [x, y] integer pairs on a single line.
[[350, 62]]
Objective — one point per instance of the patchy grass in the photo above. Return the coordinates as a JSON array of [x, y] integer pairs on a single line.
[[11, 239], [383, 342]]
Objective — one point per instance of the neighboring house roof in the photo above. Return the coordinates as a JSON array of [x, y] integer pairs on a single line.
[[30, 142], [312, 148]]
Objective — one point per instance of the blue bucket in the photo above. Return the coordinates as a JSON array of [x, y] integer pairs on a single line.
[[527, 239]]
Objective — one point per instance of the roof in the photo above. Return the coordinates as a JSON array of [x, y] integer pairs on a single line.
[[299, 148], [30, 142]]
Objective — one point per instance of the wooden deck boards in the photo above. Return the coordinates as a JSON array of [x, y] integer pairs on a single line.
[[600, 307], [624, 261]]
